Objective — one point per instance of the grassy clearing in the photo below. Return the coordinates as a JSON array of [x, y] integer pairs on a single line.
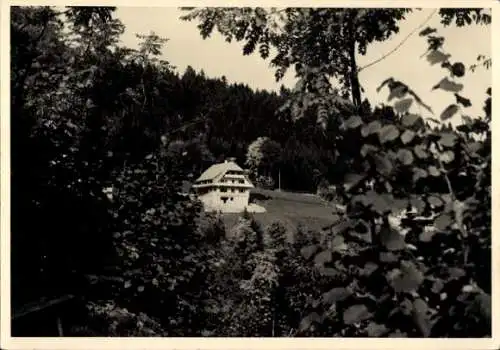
[[291, 209]]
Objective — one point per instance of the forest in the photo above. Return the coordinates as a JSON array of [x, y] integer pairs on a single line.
[[103, 137]]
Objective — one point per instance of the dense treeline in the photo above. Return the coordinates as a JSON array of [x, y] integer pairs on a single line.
[[228, 117], [103, 137]]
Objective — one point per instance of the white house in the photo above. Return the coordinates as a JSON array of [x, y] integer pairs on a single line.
[[224, 187]]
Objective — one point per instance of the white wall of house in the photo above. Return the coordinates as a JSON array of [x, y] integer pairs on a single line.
[[230, 201]]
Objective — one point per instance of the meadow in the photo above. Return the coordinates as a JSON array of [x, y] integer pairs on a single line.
[[292, 209]]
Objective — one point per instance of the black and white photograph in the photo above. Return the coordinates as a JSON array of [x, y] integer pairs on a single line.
[[248, 172]]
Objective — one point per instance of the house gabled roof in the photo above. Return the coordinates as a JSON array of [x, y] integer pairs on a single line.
[[218, 169]]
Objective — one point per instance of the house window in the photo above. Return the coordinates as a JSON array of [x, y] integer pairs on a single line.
[[223, 189], [231, 199], [242, 190], [224, 199], [241, 181]]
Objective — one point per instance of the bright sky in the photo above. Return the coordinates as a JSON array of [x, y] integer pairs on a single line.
[[217, 57]]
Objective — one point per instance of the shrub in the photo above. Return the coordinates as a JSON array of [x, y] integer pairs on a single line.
[[109, 320]]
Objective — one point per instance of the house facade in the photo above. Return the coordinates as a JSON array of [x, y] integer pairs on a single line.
[[224, 187]]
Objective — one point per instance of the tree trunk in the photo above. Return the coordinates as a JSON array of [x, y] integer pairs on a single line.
[[353, 68], [355, 86]]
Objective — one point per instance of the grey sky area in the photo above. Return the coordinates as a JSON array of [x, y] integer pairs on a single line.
[[217, 57]]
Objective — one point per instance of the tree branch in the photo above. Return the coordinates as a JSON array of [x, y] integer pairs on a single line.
[[400, 44]]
